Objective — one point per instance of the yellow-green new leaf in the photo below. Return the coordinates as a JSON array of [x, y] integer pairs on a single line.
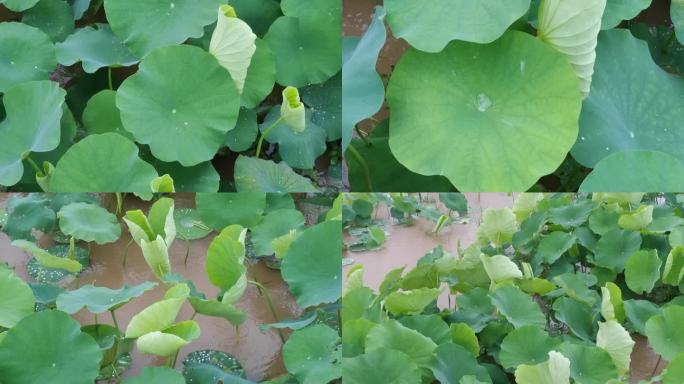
[[637, 220], [156, 317], [500, 268], [498, 226], [612, 307], [46, 259], [292, 110], [572, 27], [233, 44], [157, 256], [615, 340], [556, 370], [674, 266]]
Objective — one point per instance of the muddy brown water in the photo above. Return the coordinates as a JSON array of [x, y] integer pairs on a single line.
[[406, 244], [258, 351]]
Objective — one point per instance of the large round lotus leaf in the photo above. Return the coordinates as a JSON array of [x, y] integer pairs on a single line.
[[312, 267], [106, 163], [589, 364], [258, 175], [675, 371], [664, 332], [313, 354], [184, 121], [27, 54], [380, 366], [554, 245], [146, 25], [363, 92], [391, 334], [638, 312], [615, 247], [156, 375], [306, 41], [484, 134], [618, 10], [325, 101], [34, 111], [633, 105], [578, 316], [46, 274], [220, 361], [259, 14], [275, 224], [412, 301], [19, 5], [219, 210], [16, 299], [102, 116], [89, 222], [245, 132], [526, 345], [431, 326], [26, 214], [517, 307], [298, 149], [100, 299], [571, 215], [642, 271], [95, 47], [186, 220], [59, 352], [54, 17], [636, 171], [452, 362], [260, 76]]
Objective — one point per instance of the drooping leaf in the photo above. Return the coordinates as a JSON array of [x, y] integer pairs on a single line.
[[500, 268], [392, 335], [673, 271], [46, 259], [412, 301]]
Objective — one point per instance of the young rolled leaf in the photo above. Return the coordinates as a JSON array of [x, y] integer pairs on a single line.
[[225, 263], [292, 110], [233, 44], [615, 340]]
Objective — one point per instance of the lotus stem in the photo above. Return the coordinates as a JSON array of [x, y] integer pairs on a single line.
[[187, 251], [656, 367], [193, 315], [119, 203], [362, 136], [263, 136], [116, 323], [359, 159], [125, 255], [109, 78], [33, 165], [95, 318], [200, 225], [267, 296], [171, 362]]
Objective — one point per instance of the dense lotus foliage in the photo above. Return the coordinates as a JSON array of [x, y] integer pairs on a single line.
[[177, 95], [556, 289], [514, 95], [41, 341]]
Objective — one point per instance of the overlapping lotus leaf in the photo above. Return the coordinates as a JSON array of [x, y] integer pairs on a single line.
[[618, 10], [589, 364], [258, 175], [313, 354], [16, 299], [207, 366], [54, 17], [451, 363], [233, 45], [298, 149], [89, 222], [383, 364], [95, 47], [26, 214], [663, 334], [494, 122], [274, 225], [261, 76], [100, 299], [186, 220], [19, 5], [615, 340], [526, 345], [102, 116], [219, 210], [556, 370], [245, 132], [184, 121], [517, 307], [27, 54]]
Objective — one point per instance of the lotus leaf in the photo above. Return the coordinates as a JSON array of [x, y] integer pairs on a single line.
[[169, 341], [673, 272], [219, 210], [102, 116], [261, 75], [393, 335], [381, 365], [298, 149], [615, 247], [156, 375], [207, 366], [28, 54], [556, 370], [498, 225], [313, 354], [16, 299], [89, 222], [618, 10], [412, 301], [451, 363], [245, 132], [95, 47], [526, 345], [274, 225], [663, 334], [187, 220], [19, 5], [258, 175], [26, 214], [233, 45], [54, 17], [517, 307], [643, 271], [615, 340], [100, 299], [589, 364]]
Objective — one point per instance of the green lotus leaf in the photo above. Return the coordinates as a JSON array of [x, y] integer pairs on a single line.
[[224, 263], [615, 247], [261, 75], [431, 326], [157, 317], [615, 340], [219, 210], [325, 101], [673, 272], [59, 352], [498, 225], [233, 45], [312, 267], [471, 117], [536, 286], [54, 17], [412, 301], [354, 334], [156, 375], [100, 299], [618, 10], [19, 5], [16, 299], [32, 124], [392, 335], [648, 171], [81, 167], [184, 121], [677, 15], [245, 132], [609, 123], [259, 14], [663, 332], [431, 28], [313, 354], [45, 274], [554, 245], [525, 205], [102, 116], [298, 149], [526, 345], [638, 312], [218, 309], [274, 225], [282, 244], [576, 286], [451, 363], [169, 341], [186, 224], [675, 370], [465, 336], [589, 364], [556, 370], [26, 214], [638, 219], [620, 198], [207, 366], [258, 175], [643, 271], [79, 8], [380, 366], [572, 29], [385, 172], [579, 317], [28, 54], [664, 220], [571, 215], [46, 259], [95, 47], [602, 221], [363, 91], [665, 50], [89, 222], [517, 307], [500, 268], [306, 42], [612, 307], [144, 26]]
